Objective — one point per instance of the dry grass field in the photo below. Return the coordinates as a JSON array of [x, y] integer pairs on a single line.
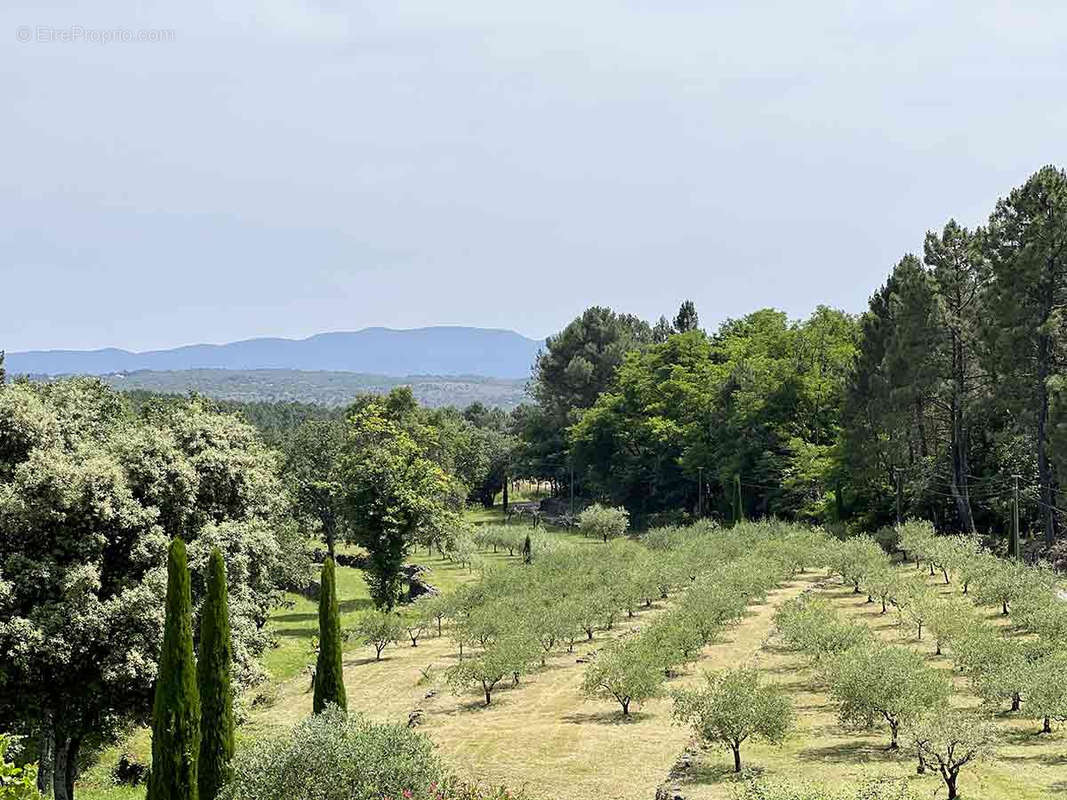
[[544, 737]]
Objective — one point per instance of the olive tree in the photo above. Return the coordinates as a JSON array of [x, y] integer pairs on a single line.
[[949, 618], [1045, 689], [884, 681], [627, 672], [506, 655], [603, 523], [733, 707], [378, 629], [950, 740]]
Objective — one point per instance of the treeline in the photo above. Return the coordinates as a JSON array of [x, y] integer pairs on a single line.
[[928, 404]]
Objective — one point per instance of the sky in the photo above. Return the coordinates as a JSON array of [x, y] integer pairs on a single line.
[[287, 167]]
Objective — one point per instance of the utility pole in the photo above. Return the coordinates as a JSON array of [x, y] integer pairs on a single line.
[[571, 512], [897, 472], [740, 515], [1015, 518], [504, 499], [700, 492]]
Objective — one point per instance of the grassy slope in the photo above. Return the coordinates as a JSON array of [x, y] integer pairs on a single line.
[[543, 735]]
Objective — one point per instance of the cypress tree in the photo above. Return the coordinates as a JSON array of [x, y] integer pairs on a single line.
[[214, 674], [329, 676], [176, 712]]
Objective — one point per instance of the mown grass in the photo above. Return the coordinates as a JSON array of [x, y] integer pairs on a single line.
[[545, 737], [294, 626], [1027, 766]]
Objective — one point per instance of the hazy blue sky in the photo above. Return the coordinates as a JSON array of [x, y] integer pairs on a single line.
[[287, 167]]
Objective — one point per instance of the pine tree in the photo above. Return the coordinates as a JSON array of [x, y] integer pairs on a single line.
[[687, 318], [1025, 300], [214, 674], [329, 676], [176, 712]]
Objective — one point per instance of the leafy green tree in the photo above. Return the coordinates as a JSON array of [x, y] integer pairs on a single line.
[[626, 672], [214, 670], [959, 275], [884, 682], [574, 368], [734, 707], [329, 672], [662, 330], [1025, 299], [176, 712], [952, 739], [378, 629], [90, 495], [310, 469], [393, 495]]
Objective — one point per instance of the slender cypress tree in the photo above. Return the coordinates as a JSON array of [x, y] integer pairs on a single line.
[[176, 712], [214, 674], [329, 675]]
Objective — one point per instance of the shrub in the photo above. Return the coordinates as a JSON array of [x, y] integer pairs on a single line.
[[16, 783], [334, 756]]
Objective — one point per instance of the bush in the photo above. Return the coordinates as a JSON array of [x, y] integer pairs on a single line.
[[334, 756], [16, 783], [603, 523]]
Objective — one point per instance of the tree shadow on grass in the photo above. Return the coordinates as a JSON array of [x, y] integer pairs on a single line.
[[359, 662], [295, 617], [855, 752], [356, 604], [605, 717], [720, 771], [297, 633]]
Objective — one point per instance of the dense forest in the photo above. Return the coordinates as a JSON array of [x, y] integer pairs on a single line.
[[948, 387]]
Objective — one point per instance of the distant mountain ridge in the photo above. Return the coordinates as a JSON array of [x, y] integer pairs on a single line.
[[439, 350]]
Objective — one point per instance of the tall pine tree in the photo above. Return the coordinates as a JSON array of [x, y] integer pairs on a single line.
[[214, 674], [329, 675], [176, 712], [1027, 247]]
